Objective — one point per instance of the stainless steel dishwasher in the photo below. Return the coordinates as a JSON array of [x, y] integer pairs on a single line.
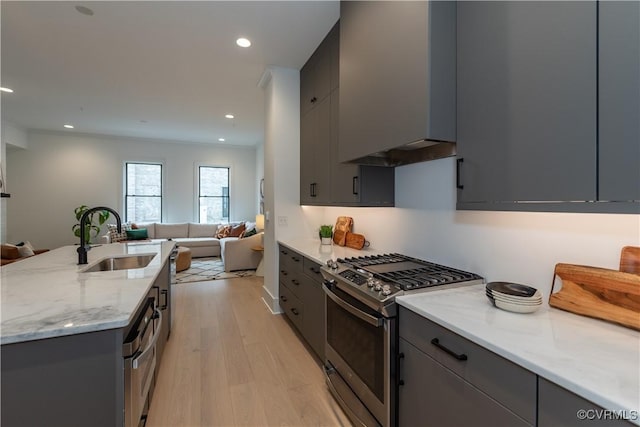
[[139, 352]]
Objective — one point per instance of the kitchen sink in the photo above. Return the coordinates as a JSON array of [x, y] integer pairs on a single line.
[[125, 262]]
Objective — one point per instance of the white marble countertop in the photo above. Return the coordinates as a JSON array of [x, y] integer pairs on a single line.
[[48, 296], [312, 249], [596, 360]]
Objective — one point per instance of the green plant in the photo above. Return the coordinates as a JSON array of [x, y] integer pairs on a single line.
[[326, 231], [103, 216]]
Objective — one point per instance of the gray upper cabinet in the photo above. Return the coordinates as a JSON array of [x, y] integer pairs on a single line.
[[526, 101], [619, 100], [547, 106], [324, 180], [397, 75], [315, 140], [357, 185]]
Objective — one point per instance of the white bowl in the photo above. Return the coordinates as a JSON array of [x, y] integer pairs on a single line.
[[516, 308]]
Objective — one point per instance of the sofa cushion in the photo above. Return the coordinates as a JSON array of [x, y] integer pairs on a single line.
[[137, 234], [197, 242], [202, 230], [171, 231], [25, 249], [236, 230], [223, 231], [10, 251], [114, 236], [151, 229]]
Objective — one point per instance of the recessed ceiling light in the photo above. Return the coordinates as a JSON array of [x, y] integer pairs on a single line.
[[229, 116], [243, 42], [68, 126], [221, 139], [84, 10], [6, 89]]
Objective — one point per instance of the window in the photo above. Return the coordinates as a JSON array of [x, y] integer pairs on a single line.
[[143, 198], [213, 200]]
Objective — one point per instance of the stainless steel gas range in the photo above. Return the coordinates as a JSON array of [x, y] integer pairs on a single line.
[[361, 330]]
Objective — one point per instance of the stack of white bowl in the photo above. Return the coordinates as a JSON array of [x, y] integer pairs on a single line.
[[514, 296]]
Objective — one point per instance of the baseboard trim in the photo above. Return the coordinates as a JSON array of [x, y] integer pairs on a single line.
[[270, 301]]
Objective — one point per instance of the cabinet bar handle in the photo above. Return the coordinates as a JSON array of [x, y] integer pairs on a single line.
[[436, 342], [354, 185], [165, 293], [295, 282], [284, 272], [283, 298], [458, 167], [296, 259], [294, 311], [400, 380]]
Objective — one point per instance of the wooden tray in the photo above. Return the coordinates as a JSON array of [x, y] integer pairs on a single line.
[[630, 259], [598, 292]]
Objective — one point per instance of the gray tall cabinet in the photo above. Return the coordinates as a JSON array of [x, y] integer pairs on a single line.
[[324, 180], [547, 106]]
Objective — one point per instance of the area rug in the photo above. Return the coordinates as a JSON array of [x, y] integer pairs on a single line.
[[209, 269]]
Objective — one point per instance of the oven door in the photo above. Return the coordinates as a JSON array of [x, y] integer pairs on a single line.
[[359, 347]]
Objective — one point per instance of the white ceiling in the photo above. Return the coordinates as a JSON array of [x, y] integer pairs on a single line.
[[152, 69]]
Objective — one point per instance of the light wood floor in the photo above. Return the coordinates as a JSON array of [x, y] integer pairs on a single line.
[[230, 362]]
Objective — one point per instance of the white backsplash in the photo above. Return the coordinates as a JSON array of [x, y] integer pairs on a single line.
[[509, 246]]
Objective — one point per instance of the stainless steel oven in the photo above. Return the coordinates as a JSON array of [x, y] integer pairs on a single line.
[[359, 367], [362, 328], [139, 351]]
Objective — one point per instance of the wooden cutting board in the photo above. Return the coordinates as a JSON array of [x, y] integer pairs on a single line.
[[630, 259], [598, 292]]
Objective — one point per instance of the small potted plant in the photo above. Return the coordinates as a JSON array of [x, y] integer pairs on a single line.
[[326, 232]]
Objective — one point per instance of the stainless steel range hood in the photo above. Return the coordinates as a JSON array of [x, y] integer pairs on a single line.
[[418, 151]]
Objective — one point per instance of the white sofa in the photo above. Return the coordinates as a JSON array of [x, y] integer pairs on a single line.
[[200, 238]]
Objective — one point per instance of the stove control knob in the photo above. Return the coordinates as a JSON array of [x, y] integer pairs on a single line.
[[371, 282], [332, 264], [386, 290], [378, 286]]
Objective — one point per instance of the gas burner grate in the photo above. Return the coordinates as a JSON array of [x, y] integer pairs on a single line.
[[413, 274]]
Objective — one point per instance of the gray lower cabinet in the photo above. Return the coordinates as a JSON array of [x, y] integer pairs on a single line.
[[446, 380], [548, 105], [560, 407], [77, 380], [302, 297]]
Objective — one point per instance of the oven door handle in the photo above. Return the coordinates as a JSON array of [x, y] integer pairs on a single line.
[[372, 320], [147, 351]]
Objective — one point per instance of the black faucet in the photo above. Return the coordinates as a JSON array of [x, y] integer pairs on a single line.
[[82, 250]]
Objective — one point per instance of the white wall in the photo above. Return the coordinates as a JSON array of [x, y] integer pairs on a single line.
[[60, 171], [12, 137], [282, 170], [513, 246]]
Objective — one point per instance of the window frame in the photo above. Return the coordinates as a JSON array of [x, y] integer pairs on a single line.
[[126, 181], [198, 192]]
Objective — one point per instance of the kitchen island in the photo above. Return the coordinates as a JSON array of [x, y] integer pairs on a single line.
[[62, 333]]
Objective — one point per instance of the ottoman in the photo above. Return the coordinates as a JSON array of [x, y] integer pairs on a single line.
[[183, 260]]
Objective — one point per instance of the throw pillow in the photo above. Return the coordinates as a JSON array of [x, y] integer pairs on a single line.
[[25, 249], [236, 231], [114, 236], [223, 231], [248, 233], [137, 234], [10, 251]]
